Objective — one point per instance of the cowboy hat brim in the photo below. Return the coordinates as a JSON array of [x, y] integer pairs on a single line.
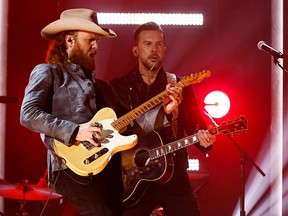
[[69, 24]]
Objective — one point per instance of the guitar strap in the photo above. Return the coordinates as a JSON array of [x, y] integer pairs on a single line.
[[172, 79]]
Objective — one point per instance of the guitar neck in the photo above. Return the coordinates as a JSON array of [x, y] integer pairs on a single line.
[[122, 122], [172, 147], [228, 127], [126, 119], [177, 145]]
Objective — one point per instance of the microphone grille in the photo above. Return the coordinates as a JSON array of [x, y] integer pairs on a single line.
[[259, 45]]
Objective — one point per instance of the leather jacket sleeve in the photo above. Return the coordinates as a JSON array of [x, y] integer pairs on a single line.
[[37, 112]]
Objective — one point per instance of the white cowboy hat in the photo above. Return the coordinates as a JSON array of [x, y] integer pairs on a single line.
[[76, 19]]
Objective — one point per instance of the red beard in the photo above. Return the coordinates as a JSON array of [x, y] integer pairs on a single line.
[[86, 62]]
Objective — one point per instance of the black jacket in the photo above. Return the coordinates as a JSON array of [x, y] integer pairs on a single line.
[[132, 91]]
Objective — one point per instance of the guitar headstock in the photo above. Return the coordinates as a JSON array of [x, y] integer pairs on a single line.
[[195, 78], [239, 124]]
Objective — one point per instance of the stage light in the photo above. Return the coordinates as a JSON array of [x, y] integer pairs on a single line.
[[160, 18], [193, 165], [217, 104]]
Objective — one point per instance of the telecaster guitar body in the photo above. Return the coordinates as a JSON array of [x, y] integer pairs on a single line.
[[86, 159]]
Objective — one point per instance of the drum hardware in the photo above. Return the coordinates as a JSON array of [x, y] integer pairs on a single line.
[[24, 191]]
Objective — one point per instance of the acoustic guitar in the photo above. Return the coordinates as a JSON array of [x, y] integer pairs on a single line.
[[151, 160]]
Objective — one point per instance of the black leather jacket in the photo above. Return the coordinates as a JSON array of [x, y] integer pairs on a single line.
[[56, 101], [132, 91]]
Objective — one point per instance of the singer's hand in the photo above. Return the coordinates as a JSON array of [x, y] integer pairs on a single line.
[[91, 132], [175, 98], [205, 138]]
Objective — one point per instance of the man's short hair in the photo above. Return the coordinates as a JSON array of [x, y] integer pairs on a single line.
[[149, 26]]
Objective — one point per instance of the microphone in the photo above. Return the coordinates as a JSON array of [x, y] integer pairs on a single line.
[[275, 53]]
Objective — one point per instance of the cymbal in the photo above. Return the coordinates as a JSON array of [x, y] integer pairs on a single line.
[[22, 191]]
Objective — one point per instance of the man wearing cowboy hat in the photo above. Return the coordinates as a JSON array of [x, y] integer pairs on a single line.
[[60, 97]]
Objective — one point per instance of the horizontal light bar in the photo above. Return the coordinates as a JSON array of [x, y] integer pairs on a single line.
[[140, 18]]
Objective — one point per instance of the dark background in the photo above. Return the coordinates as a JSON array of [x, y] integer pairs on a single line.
[[226, 45]]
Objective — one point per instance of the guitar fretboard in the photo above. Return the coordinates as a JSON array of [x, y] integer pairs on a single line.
[[172, 147], [126, 119], [228, 127]]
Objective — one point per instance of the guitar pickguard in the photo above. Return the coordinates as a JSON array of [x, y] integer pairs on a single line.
[[85, 159], [144, 168], [139, 169]]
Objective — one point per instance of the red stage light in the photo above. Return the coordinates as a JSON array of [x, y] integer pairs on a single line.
[[217, 104]]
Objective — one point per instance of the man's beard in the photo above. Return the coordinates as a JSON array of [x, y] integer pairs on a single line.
[[87, 63]]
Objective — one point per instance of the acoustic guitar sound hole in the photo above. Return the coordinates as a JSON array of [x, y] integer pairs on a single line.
[[142, 158]]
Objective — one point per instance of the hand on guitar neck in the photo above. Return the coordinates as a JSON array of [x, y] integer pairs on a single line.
[[205, 138]]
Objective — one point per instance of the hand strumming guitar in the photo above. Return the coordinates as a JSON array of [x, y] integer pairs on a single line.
[[90, 131]]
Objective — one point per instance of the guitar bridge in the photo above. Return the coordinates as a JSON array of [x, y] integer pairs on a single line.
[[95, 156], [88, 145]]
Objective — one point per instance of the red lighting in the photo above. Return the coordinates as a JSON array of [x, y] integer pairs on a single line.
[[217, 104]]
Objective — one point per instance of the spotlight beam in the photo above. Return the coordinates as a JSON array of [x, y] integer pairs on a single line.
[[244, 158]]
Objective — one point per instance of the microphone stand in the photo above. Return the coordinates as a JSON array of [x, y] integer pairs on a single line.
[[244, 158], [276, 62]]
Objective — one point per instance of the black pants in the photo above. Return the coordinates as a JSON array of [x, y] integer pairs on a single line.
[[98, 195]]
